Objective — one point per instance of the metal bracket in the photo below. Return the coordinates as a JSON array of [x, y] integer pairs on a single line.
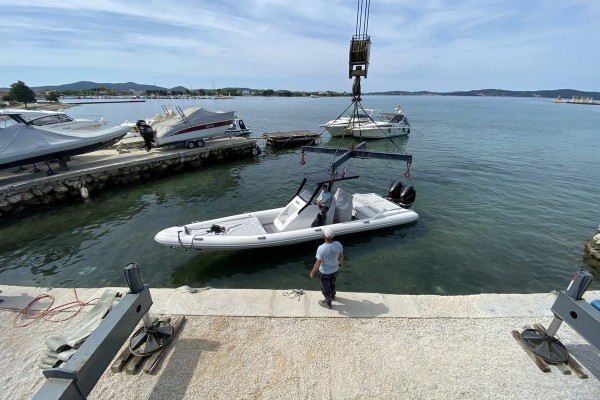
[[580, 315], [78, 376]]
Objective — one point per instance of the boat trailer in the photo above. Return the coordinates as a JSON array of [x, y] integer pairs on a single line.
[[569, 307], [77, 377]]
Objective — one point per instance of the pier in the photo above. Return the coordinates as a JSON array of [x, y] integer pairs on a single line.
[[23, 191]]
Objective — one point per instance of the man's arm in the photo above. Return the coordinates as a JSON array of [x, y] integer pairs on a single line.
[[315, 268]]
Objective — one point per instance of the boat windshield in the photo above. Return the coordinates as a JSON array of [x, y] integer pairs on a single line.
[[51, 119], [305, 195]]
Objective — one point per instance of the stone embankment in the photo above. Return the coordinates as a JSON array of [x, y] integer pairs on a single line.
[[109, 170], [592, 252]]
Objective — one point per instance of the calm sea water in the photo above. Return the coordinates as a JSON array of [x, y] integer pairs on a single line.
[[507, 193]]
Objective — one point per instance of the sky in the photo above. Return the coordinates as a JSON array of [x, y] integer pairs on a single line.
[[432, 45]]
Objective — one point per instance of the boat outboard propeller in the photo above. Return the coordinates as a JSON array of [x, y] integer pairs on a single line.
[[402, 195]]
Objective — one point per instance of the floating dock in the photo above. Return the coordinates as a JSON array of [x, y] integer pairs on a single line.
[[282, 139]]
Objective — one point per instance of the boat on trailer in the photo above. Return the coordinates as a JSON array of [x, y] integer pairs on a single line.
[[190, 127], [297, 221]]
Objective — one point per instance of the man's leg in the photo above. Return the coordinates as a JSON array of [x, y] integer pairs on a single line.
[[333, 279], [323, 215], [326, 286]]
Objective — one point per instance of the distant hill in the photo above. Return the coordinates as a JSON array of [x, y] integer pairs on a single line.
[[563, 93], [87, 85]]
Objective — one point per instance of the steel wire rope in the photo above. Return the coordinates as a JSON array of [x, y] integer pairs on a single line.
[[362, 17], [323, 131]]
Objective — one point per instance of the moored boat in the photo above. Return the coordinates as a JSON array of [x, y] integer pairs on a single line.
[[339, 127], [383, 125], [238, 128]]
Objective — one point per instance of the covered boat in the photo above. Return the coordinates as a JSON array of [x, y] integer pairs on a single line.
[[297, 221], [53, 119], [23, 143]]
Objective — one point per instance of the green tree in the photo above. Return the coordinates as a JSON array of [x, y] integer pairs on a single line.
[[22, 93], [51, 96]]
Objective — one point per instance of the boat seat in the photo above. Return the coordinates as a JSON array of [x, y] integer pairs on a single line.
[[363, 212], [343, 206], [331, 212]]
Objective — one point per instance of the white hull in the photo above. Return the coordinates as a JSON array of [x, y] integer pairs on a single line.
[[284, 226], [192, 124], [339, 127], [374, 125], [237, 128], [379, 131]]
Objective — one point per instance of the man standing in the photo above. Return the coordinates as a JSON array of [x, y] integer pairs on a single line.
[[324, 202], [330, 258]]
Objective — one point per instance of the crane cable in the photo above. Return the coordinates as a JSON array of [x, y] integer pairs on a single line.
[[362, 17]]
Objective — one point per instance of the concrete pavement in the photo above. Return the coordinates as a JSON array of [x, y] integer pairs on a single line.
[[267, 344]]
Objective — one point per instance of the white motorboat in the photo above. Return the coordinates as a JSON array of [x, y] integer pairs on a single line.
[[237, 128], [189, 127], [383, 125], [54, 119], [23, 143], [296, 222], [339, 127]]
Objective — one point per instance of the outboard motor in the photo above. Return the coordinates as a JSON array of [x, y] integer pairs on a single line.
[[402, 195], [144, 128], [146, 132]]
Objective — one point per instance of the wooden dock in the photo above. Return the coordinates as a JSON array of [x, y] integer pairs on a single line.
[[282, 139]]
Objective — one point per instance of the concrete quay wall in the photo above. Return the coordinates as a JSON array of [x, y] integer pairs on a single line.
[[108, 170]]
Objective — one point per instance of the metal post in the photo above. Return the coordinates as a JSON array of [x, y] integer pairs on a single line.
[[579, 283]]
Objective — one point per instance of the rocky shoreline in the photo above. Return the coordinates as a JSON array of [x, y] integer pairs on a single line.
[[592, 253]]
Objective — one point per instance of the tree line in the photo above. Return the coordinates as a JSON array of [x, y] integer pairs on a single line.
[[22, 93]]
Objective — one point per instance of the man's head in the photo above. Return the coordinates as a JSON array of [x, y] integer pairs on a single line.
[[328, 233], [325, 188]]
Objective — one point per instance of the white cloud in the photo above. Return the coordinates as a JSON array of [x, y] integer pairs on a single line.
[[438, 45]]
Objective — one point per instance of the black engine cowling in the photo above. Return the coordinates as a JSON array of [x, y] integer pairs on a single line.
[[144, 128], [402, 195]]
